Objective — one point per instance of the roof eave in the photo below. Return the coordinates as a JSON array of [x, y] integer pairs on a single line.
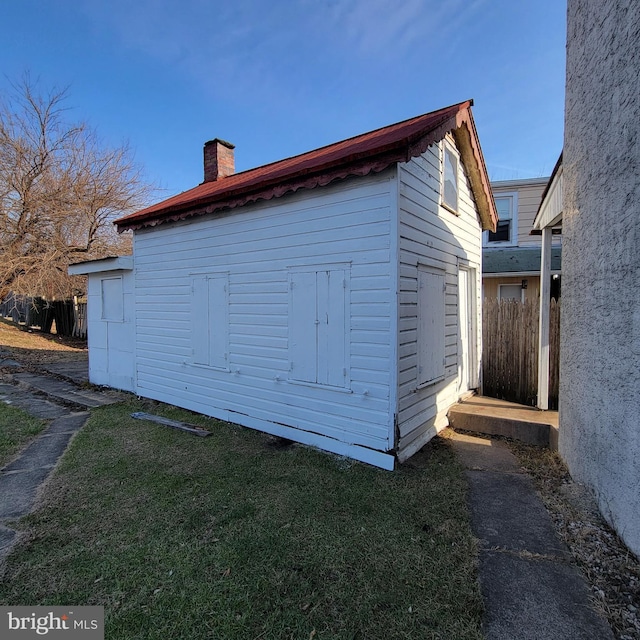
[[267, 189], [357, 164], [111, 263], [549, 212], [466, 137]]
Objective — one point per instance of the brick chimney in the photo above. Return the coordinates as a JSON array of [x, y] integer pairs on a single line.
[[218, 159]]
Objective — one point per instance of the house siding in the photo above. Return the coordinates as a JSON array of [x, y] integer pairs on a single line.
[[431, 237], [490, 286], [345, 226], [529, 197]]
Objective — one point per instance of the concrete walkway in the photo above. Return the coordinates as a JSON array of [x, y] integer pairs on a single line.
[[530, 588], [65, 406]]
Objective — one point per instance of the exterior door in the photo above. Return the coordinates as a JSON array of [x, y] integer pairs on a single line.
[[111, 349], [467, 331]]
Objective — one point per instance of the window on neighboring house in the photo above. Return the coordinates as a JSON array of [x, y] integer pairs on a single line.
[[319, 325], [431, 325], [506, 231], [210, 320], [450, 179], [511, 292]]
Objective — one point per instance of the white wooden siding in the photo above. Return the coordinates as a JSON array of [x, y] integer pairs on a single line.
[[259, 246], [431, 236]]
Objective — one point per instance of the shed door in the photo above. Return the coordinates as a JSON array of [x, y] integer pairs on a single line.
[[431, 325], [116, 367], [467, 331], [113, 315]]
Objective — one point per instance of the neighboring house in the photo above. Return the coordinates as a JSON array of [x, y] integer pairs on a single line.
[[332, 298], [511, 255], [598, 182]]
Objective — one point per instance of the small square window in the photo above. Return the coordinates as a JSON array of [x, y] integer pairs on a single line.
[[511, 292], [450, 181], [112, 299]]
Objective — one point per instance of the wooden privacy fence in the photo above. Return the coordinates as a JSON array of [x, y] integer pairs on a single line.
[[510, 351], [38, 313], [80, 318]]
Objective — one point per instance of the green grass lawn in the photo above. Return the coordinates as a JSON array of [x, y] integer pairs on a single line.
[[235, 536], [16, 429]]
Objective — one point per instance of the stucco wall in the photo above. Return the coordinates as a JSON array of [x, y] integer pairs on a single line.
[[600, 331]]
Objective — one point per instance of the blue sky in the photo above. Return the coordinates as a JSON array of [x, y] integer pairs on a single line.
[[280, 77]]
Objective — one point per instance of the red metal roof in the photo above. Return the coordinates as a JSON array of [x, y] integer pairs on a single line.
[[360, 155]]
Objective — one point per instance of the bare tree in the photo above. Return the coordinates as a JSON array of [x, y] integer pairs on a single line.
[[60, 189]]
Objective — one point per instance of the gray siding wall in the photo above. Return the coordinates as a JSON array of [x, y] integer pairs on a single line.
[[529, 197], [600, 330], [256, 249], [432, 237]]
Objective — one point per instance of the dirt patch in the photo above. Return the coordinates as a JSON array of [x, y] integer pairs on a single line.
[[33, 348]]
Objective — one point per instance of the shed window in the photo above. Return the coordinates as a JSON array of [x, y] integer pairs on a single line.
[[319, 326], [112, 299], [431, 326], [450, 180], [210, 324]]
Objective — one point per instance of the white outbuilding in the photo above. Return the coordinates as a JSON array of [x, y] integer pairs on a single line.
[[332, 298]]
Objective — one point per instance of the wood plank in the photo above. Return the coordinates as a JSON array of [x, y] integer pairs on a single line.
[[174, 424]]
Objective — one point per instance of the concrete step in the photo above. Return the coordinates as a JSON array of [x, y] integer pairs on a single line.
[[66, 393], [490, 416]]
